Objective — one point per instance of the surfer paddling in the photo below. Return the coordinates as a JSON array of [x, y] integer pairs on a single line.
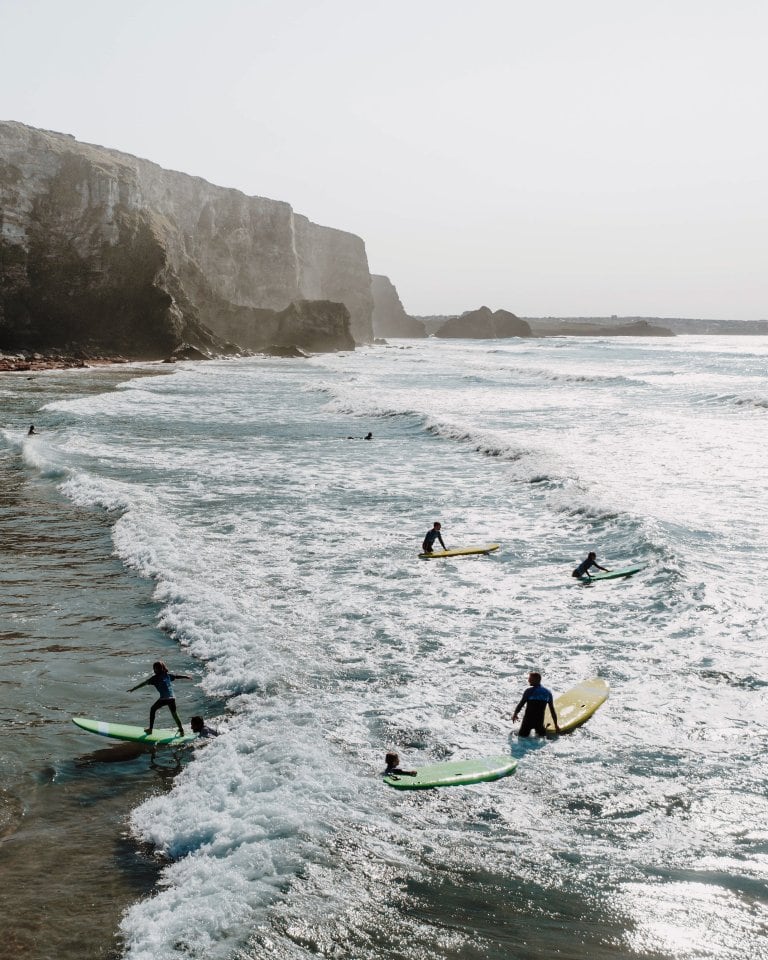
[[535, 699], [392, 761], [584, 567], [161, 680], [432, 535]]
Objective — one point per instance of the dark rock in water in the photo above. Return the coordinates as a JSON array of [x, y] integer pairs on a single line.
[[187, 352], [485, 324], [101, 248], [276, 350], [389, 317]]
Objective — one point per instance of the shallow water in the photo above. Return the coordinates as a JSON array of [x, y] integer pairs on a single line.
[[73, 626], [283, 560]]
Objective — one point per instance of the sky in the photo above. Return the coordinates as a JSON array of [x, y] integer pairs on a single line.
[[553, 158]]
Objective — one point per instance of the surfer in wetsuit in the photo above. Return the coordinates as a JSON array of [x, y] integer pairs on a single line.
[[535, 699], [583, 568], [31, 432], [429, 539], [161, 680], [393, 767], [201, 728]]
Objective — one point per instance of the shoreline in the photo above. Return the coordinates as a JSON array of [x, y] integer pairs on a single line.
[[24, 362], [51, 771]]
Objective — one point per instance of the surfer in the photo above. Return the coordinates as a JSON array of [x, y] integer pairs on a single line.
[[201, 728], [161, 680], [429, 539], [31, 432], [535, 699], [583, 568], [393, 767]]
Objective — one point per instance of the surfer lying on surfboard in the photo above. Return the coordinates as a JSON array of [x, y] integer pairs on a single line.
[[583, 568], [161, 681], [393, 766], [429, 540], [535, 699]]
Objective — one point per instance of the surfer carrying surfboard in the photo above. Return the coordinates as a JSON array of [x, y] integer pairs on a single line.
[[583, 568], [432, 535], [535, 699], [161, 680]]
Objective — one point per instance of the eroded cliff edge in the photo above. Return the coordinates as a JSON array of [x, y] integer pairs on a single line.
[[99, 248]]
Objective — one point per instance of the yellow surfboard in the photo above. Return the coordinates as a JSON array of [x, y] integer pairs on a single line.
[[577, 705], [461, 552]]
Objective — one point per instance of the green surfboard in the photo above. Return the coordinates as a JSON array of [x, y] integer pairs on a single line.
[[460, 552], [613, 574], [121, 731], [454, 773]]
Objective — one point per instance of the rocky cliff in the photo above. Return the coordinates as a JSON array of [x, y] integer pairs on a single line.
[[101, 248], [389, 317], [485, 324]]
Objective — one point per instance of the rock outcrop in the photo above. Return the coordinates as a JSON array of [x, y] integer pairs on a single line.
[[389, 317], [485, 324], [99, 249]]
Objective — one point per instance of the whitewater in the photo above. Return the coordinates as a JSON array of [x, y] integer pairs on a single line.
[[282, 549]]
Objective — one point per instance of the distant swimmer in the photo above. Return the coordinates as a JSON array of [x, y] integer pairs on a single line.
[[201, 728], [535, 699], [583, 568], [31, 432], [368, 436], [392, 761], [432, 535], [161, 680]]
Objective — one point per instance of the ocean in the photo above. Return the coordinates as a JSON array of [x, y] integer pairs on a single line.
[[227, 518]]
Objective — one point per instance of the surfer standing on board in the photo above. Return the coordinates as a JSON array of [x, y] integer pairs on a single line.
[[432, 535], [535, 699], [583, 568], [161, 681]]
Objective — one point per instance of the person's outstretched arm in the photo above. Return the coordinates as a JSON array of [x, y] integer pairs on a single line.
[[142, 684]]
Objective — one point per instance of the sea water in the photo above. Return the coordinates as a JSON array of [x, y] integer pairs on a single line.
[[280, 552]]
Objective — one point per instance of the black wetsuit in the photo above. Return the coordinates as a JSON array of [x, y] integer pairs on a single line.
[[429, 541], [583, 568], [536, 700]]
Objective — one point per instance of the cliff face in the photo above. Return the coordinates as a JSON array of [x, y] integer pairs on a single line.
[[485, 324], [389, 317], [98, 246]]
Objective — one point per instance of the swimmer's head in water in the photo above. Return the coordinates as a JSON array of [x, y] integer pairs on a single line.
[[392, 760]]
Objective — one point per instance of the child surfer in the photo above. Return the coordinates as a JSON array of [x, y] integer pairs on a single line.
[[161, 680]]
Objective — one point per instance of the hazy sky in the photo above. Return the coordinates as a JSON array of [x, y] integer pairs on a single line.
[[570, 157]]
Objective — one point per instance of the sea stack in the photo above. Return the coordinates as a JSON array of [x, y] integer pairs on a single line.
[[485, 324]]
